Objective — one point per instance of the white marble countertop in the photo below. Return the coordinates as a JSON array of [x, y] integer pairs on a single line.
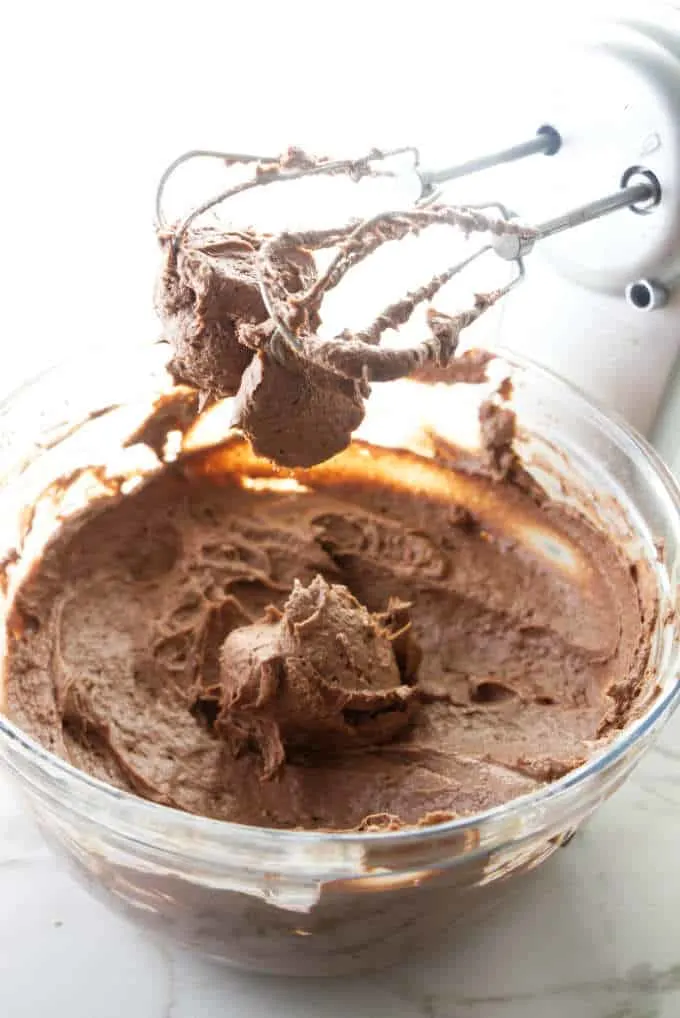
[[594, 935]]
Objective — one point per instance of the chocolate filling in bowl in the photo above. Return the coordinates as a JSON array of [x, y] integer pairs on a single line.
[[384, 640], [303, 721]]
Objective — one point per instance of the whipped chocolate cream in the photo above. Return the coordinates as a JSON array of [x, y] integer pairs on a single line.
[[296, 415], [381, 641], [322, 674], [206, 294]]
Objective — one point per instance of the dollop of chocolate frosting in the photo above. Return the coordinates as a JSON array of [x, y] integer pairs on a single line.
[[296, 415], [321, 674]]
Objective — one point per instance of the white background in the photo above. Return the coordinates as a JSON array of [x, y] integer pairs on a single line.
[[98, 97]]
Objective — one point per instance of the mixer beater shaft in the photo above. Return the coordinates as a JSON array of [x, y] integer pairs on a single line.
[[640, 191]]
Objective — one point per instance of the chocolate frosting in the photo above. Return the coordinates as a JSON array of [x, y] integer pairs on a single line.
[[206, 294], [498, 426], [384, 640], [297, 415], [321, 674]]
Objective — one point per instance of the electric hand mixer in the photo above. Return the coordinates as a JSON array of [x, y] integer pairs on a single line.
[[285, 332]]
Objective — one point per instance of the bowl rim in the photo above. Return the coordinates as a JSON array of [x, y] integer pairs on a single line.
[[259, 837]]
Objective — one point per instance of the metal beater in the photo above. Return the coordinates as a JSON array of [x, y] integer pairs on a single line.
[[357, 355]]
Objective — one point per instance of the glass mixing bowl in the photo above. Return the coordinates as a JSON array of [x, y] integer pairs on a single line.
[[316, 903]]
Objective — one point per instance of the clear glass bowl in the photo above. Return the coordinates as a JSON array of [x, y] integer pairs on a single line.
[[314, 903]]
